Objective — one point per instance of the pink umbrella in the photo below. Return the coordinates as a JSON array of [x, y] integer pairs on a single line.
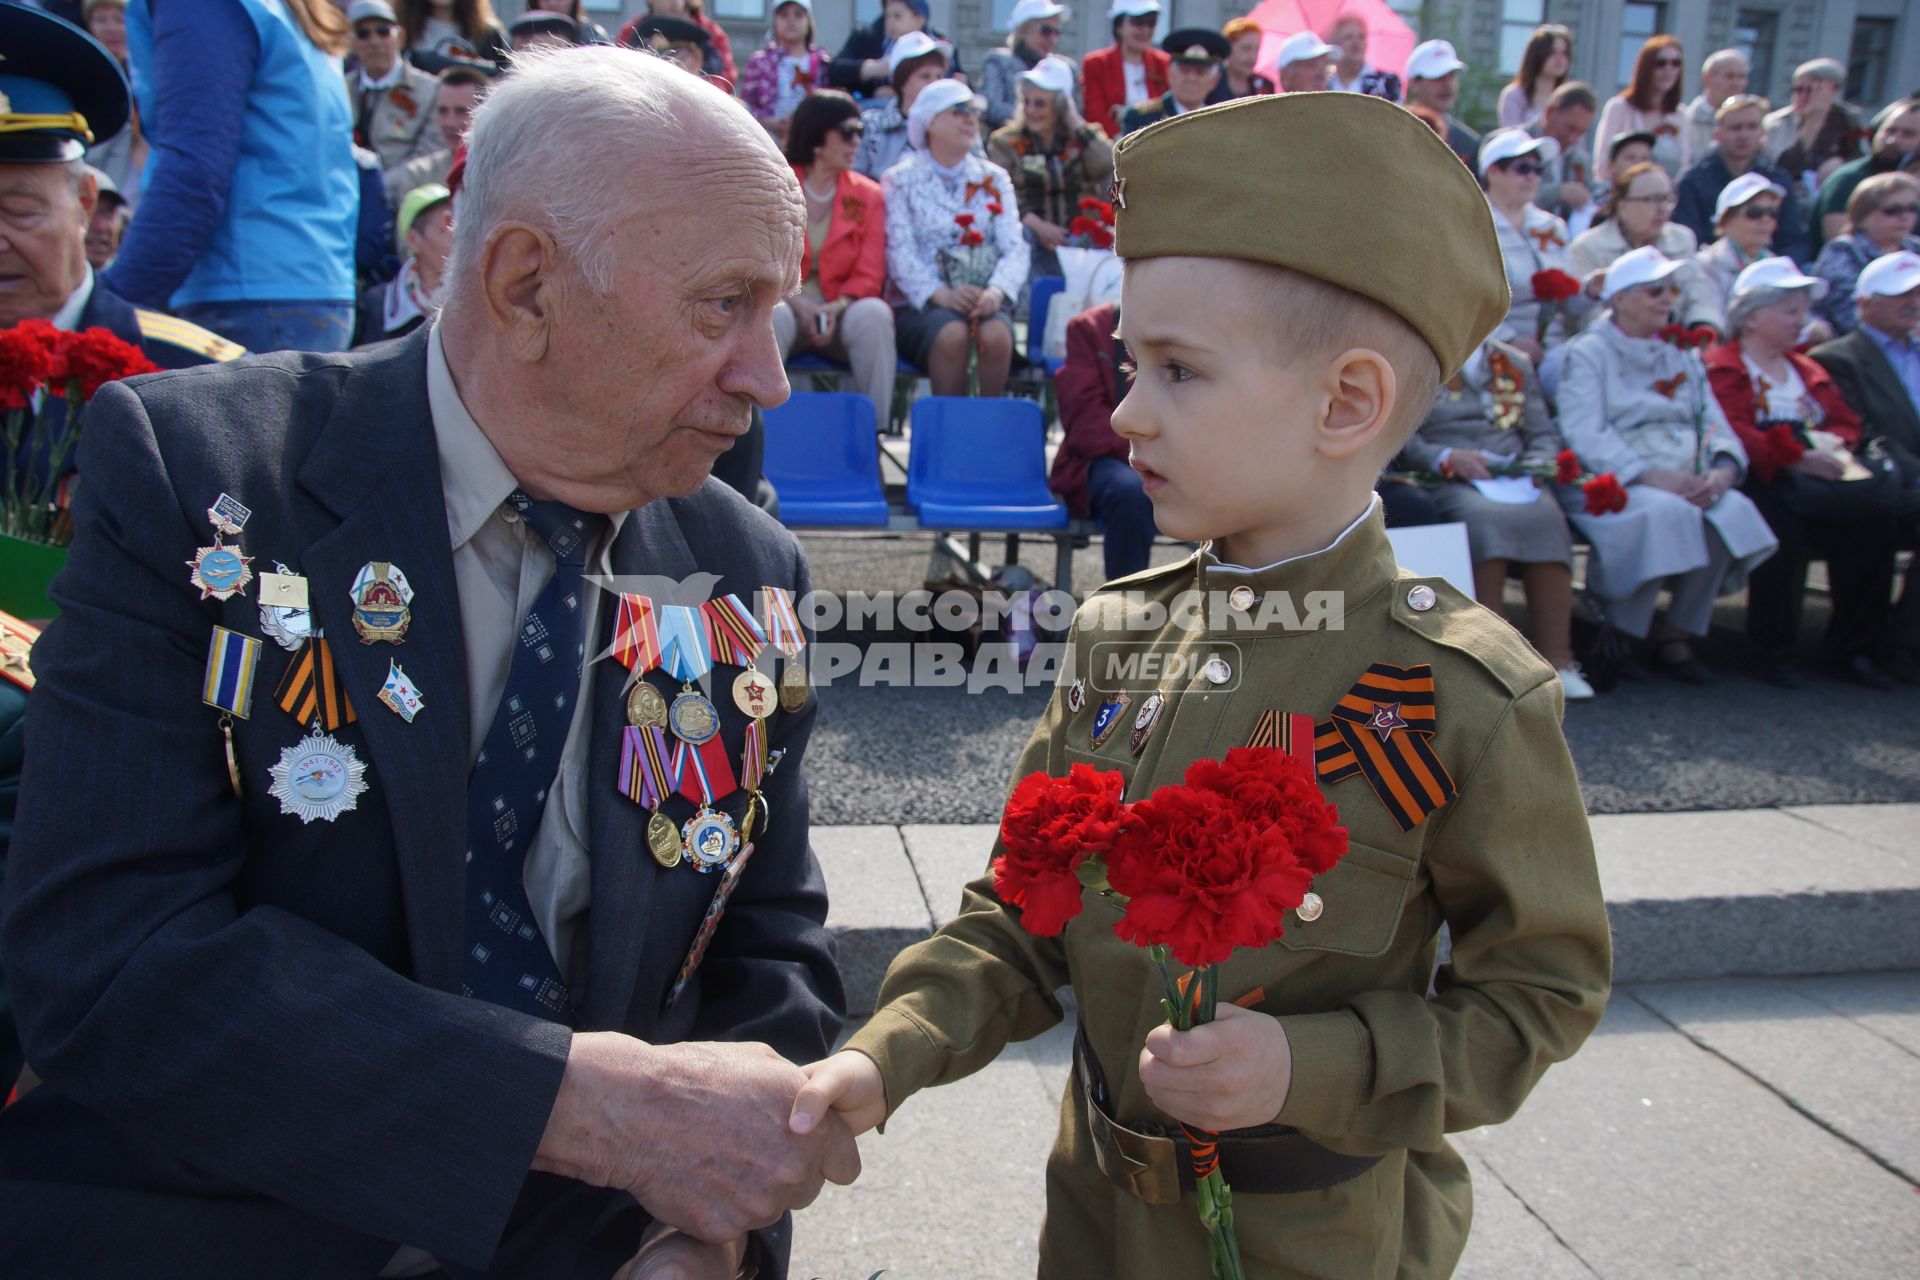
[[1389, 38]]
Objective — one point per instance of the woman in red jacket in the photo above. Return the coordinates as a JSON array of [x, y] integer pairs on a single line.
[[839, 312], [1128, 71], [1819, 497]]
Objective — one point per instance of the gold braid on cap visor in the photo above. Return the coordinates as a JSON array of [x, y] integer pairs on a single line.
[[73, 121]]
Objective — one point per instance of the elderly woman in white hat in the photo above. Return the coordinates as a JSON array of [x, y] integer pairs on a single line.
[[1818, 497], [1055, 158], [1636, 405], [1035, 29], [1531, 240], [1745, 217], [956, 257], [916, 60]]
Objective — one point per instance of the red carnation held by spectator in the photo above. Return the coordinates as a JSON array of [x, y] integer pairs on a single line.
[[1553, 285], [963, 219], [1566, 467], [1050, 826], [1604, 495], [1783, 447]]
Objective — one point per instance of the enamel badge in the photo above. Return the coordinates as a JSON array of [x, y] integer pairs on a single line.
[[221, 572], [710, 839], [693, 719], [381, 600], [318, 777], [285, 616], [1143, 722], [400, 695], [1076, 696], [1107, 718]]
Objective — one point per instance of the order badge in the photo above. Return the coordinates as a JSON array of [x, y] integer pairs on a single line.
[[318, 777]]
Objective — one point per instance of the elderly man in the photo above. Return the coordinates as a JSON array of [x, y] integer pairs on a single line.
[[108, 223], [1197, 53], [1737, 139], [1352, 73], [1723, 75], [1566, 183], [1305, 63], [1896, 144], [1433, 82], [392, 100], [382, 955], [456, 94], [1815, 133]]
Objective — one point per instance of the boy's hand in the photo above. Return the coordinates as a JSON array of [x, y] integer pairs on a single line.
[[1232, 1073], [847, 1084]]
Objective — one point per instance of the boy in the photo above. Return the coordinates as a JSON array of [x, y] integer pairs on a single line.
[[1290, 327]]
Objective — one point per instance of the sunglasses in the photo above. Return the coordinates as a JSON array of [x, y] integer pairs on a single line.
[[1660, 290], [1757, 212], [851, 130], [373, 31], [1667, 62], [1525, 168], [1143, 19], [1800, 89], [1900, 210], [1049, 31]]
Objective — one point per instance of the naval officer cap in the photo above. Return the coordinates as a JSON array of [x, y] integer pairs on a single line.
[[1347, 188], [60, 90]]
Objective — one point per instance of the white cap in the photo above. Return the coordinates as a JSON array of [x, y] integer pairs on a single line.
[[1511, 144], [941, 95], [1776, 273], [1432, 60], [1889, 276], [361, 10], [912, 45], [804, 4], [1645, 265], [1131, 8], [1052, 74], [1034, 10], [1304, 47], [1742, 189]]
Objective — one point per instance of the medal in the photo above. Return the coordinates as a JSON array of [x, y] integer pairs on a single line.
[[220, 571], [399, 694], [753, 693], [1076, 696], [645, 707], [228, 516], [1144, 722], [694, 720], [1107, 718], [783, 624], [636, 640], [381, 597], [318, 777], [310, 690], [733, 634], [710, 839], [663, 840], [793, 687], [285, 615], [231, 660]]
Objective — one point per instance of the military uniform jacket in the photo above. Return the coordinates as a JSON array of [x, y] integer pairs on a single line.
[[1379, 1067]]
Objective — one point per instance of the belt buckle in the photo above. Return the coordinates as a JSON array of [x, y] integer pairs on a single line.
[[1146, 1167]]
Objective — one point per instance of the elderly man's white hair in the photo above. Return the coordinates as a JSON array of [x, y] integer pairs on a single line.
[[1723, 58], [546, 148]]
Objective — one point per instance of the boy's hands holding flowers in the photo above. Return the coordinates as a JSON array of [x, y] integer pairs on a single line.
[[1231, 1073]]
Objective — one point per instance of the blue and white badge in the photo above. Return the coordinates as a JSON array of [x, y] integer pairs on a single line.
[[221, 572], [380, 596], [228, 515], [399, 694], [318, 778], [1107, 718], [710, 839]]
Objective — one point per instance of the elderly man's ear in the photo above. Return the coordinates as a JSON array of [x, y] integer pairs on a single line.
[[523, 285]]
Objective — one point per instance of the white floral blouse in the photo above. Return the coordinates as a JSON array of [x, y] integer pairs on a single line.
[[922, 205]]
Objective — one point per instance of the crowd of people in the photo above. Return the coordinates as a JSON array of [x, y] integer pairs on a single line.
[[1656, 247]]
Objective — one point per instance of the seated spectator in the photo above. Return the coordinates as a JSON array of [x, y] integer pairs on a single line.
[[1566, 182], [716, 50], [917, 61], [1055, 158], [543, 29], [589, 31], [405, 302], [1531, 241], [678, 39], [1744, 219], [1433, 82], [1818, 497], [1035, 34], [1815, 133], [1493, 415], [1129, 72], [1238, 78], [454, 98], [108, 225], [1736, 153], [445, 32], [1352, 73], [392, 101], [1628, 150], [1723, 75], [106, 21], [1650, 104], [1544, 65], [790, 66], [1894, 142], [1641, 199], [839, 312], [1090, 471], [1194, 57], [955, 253], [1305, 62], [1877, 368], [864, 65], [1880, 220], [1639, 408]]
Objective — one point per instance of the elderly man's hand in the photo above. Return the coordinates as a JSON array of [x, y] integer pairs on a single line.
[[1468, 464], [696, 1132], [674, 1255]]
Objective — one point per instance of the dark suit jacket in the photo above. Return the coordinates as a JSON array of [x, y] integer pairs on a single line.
[[1869, 384], [257, 1062]]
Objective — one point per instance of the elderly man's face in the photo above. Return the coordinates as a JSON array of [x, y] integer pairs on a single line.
[[1309, 75], [1567, 125], [453, 109], [376, 42], [1724, 82], [1439, 94], [1896, 316], [1191, 82], [1739, 134], [43, 239], [1351, 35], [104, 229]]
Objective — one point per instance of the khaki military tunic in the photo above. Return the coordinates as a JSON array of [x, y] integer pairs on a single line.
[[1380, 1067]]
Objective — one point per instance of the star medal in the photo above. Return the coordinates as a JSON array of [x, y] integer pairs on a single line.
[[1076, 696], [1385, 719], [1144, 722], [318, 777], [753, 693], [646, 707], [285, 615], [381, 597], [710, 839], [663, 840], [400, 695], [793, 687], [220, 571], [1107, 718], [693, 719]]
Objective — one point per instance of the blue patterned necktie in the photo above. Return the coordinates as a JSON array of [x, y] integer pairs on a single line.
[[508, 961]]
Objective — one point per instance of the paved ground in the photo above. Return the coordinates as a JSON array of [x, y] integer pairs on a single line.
[[1750, 1129]]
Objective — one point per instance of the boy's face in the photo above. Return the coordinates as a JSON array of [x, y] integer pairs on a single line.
[[1222, 429]]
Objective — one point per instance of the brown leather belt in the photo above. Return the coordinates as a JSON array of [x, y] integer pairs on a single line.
[[1155, 1164]]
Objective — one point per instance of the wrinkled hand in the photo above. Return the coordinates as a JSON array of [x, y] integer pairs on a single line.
[[674, 1255], [1708, 488], [847, 1085], [1232, 1073], [1468, 464], [696, 1132], [987, 305]]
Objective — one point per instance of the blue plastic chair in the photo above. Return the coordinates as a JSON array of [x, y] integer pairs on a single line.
[[980, 464], [822, 460], [1039, 303]]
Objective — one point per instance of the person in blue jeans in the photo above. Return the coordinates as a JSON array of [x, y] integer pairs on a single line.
[[252, 198]]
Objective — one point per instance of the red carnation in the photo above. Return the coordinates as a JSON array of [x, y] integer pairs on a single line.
[[1702, 336], [1675, 334], [1566, 467], [1274, 787], [1604, 495], [995, 209], [29, 358], [1553, 285], [964, 219], [96, 357], [1784, 447], [972, 239], [1082, 225], [1051, 826], [1102, 238], [1088, 204]]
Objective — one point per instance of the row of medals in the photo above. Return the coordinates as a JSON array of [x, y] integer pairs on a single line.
[[708, 839]]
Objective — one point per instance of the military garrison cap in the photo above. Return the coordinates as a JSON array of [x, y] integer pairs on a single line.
[[1343, 187]]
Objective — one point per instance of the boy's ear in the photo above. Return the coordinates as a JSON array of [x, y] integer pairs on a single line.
[[1361, 392]]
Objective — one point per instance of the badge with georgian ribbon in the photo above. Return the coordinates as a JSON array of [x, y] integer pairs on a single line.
[[1381, 730], [310, 690], [648, 777], [733, 634]]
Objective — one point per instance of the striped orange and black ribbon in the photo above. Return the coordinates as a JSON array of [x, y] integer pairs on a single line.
[[310, 691], [1285, 731], [1382, 729]]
